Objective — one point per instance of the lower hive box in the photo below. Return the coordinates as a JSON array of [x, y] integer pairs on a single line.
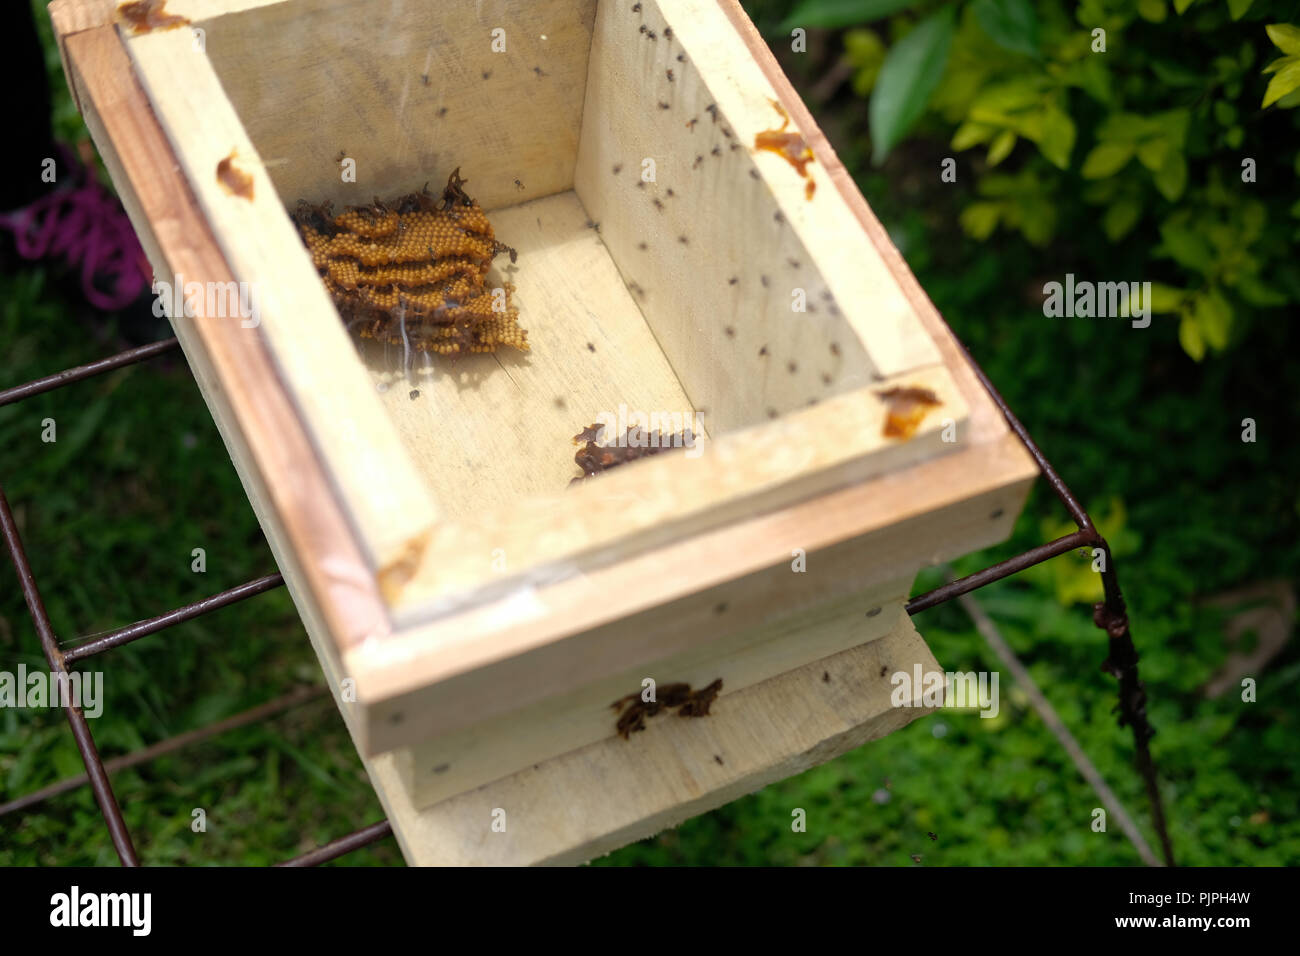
[[631, 229]]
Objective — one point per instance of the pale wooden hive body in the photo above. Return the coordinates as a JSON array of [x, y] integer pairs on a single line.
[[475, 616]]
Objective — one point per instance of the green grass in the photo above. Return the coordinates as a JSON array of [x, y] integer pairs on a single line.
[[110, 513], [139, 477]]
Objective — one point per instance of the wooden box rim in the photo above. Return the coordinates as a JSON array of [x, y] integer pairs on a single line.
[[319, 549]]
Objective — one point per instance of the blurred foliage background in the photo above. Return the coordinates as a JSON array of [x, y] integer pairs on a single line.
[[1167, 132], [1115, 166]]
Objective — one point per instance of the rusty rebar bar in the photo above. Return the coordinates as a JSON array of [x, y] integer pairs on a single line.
[[294, 698], [343, 845], [1111, 615], [69, 375], [996, 572], [99, 782], [133, 632]]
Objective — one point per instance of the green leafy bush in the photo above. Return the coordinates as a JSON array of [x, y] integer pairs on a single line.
[[1167, 127]]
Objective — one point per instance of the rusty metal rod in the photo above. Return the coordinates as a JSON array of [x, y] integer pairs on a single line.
[[996, 572], [153, 625], [69, 375], [292, 699], [1047, 713], [1111, 615], [1059, 487], [343, 845], [80, 729]]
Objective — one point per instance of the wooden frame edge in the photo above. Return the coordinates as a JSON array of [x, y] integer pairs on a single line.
[[261, 428]]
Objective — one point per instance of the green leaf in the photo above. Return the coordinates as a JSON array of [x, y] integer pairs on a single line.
[[1181, 6], [1171, 180], [1254, 217], [1173, 123], [1172, 73], [1257, 293], [1106, 159], [1284, 36], [1189, 337], [1153, 153], [833, 14], [1006, 187], [908, 77], [1120, 218], [980, 219], [1237, 8], [1091, 75], [865, 52], [1123, 128], [972, 134], [1001, 147], [1214, 318], [1186, 246], [1037, 219], [1154, 11], [1286, 79], [1165, 298], [1057, 140], [1011, 24], [1278, 64], [1000, 101], [863, 46]]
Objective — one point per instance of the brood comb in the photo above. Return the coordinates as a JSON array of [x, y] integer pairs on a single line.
[[413, 271]]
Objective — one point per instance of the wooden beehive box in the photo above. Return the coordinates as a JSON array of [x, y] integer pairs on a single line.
[[475, 615]]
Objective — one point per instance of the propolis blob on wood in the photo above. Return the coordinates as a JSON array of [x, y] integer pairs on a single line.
[[142, 16], [790, 146]]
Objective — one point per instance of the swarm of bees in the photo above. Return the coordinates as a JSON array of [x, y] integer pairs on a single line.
[[413, 271], [633, 711]]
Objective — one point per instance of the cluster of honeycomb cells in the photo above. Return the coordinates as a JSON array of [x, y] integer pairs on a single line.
[[413, 272]]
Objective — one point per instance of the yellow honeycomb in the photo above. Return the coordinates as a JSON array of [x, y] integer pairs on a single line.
[[414, 271]]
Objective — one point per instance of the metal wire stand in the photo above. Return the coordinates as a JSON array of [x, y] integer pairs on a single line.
[[1110, 615]]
